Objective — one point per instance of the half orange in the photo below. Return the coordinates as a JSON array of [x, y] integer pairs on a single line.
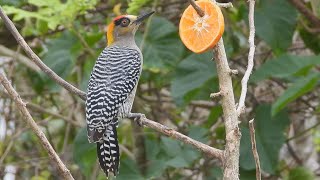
[[201, 33]]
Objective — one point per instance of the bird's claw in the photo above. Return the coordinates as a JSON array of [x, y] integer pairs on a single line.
[[137, 117]]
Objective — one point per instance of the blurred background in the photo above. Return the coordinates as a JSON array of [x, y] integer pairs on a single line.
[[68, 35]]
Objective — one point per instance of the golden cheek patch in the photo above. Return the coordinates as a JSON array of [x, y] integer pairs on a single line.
[[109, 34]]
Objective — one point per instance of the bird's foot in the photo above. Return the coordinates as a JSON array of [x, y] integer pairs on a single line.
[[137, 117]]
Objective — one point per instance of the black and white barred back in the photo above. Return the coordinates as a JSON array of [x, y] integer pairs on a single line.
[[114, 77]]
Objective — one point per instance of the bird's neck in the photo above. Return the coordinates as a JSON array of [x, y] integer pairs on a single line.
[[127, 40]]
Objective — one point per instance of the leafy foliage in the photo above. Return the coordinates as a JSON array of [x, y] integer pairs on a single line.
[[299, 88], [192, 73], [135, 5], [161, 46], [284, 67], [300, 173], [53, 12], [84, 153], [63, 32], [275, 23]]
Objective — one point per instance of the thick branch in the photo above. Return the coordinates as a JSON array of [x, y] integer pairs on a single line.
[[254, 149], [245, 79], [233, 135], [36, 59], [65, 173], [210, 151]]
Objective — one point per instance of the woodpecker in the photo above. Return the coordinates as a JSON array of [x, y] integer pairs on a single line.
[[112, 87]]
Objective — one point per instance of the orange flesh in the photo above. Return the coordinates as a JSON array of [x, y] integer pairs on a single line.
[[201, 33]]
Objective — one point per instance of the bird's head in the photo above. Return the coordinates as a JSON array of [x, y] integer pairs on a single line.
[[124, 26]]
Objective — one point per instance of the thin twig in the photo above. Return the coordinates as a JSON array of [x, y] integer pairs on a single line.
[[26, 61], [197, 8], [294, 154], [254, 149], [303, 132], [10, 26], [225, 5], [245, 79], [42, 110], [65, 173], [210, 151], [83, 42]]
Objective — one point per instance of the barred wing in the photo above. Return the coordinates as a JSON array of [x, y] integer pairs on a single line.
[[115, 75]]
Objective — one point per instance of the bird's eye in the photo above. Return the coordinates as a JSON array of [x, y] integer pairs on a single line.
[[125, 22]]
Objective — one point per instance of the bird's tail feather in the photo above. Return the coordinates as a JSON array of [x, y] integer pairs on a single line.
[[108, 151]]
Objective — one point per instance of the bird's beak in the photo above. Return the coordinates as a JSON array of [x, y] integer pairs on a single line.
[[143, 17]]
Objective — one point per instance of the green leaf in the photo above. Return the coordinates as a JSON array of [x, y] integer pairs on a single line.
[[15, 3], [60, 57], [22, 14], [311, 40], [247, 175], [198, 133], [269, 137], [215, 173], [162, 47], [152, 148], [283, 67], [135, 5], [54, 12], [299, 173], [155, 168], [203, 91], [129, 170], [177, 162], [215, 113], [297, 89], [84, 153], [275, 23], [189, 154], [171, 147], [191, 74]]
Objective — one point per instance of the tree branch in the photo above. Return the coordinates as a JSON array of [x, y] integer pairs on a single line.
[[10, 26], [254, 149], [245, 79], [233, 134], [24, 60], [210, 151], [65, 173], [306, 12]]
